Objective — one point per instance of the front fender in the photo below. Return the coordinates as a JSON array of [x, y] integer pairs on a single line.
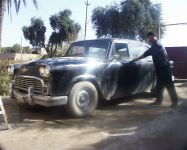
[[87, 77]]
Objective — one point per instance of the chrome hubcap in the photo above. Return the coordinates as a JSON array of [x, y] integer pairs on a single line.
[[83, 99]]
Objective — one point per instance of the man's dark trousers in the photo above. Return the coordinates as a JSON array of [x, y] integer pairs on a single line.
[[164, 79]]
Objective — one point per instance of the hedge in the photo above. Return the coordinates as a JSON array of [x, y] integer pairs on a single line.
[[4, 76]]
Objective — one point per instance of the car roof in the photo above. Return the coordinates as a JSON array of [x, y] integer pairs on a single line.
[[114, 40]]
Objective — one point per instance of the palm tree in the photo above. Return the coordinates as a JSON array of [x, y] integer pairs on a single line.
[[7, 4]]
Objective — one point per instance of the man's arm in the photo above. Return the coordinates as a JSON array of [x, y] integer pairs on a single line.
[[138, 58]]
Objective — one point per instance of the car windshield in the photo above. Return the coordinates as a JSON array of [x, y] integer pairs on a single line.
[[95, 48]]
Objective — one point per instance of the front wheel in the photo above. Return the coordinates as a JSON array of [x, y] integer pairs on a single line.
[[83, 99]]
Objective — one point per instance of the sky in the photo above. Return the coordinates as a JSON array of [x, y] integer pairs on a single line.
[[173, 11]]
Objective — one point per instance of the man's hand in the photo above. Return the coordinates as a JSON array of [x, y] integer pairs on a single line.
[[132, 61]]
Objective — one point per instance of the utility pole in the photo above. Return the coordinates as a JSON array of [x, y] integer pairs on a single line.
[[87, 4]]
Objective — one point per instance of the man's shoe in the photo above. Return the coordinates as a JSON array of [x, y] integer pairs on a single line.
[[174, 105], [156, 103]]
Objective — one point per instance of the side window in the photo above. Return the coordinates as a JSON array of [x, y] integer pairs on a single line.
[[94, 51], [137, 49], [143, 48], [122, 50], [77, 51]]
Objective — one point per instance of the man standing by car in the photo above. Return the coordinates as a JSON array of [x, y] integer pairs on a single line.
[[163, 70]]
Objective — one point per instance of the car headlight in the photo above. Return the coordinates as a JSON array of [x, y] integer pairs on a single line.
[[10, 69], [45, 70], [41, 70]]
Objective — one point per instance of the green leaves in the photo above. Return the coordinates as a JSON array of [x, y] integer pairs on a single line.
[[65, 29], [4, 77], [35, 33], [17, 4], [131, 19]]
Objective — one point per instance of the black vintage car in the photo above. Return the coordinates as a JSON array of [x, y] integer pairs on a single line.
[[91, 70]]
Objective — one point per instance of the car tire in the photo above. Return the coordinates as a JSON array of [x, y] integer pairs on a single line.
[[83, 99]]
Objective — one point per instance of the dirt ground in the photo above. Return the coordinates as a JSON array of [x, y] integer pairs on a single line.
[[131, 125]]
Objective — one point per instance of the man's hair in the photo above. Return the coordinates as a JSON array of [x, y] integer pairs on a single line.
[[151, 33]]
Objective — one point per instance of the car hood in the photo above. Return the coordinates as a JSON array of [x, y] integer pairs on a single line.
[[69, 61], [58, 63]]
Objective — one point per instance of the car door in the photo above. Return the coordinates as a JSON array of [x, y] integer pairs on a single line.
[[133, 78], [125, 72], [143, 69]]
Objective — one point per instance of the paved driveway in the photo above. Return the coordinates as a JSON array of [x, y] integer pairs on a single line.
[[121, 126]]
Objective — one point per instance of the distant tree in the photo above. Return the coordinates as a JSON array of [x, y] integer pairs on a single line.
[[7, 4], [35, 33], [106, 21], [64, 30], [6, 50], [27, 50], [130, 19], [16, 48]]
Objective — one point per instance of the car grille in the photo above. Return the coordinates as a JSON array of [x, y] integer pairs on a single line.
[[22, 83]]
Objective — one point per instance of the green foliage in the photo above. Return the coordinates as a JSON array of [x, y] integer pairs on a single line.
[[27, 50], [6, 50], [17, 4], [4, 77], [106, 21], [4, 83], [16, 48], [7, 4], [130, 19], [64, 30], [35, 33]]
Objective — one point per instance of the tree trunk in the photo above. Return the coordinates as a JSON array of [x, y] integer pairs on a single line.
[[2, 4]]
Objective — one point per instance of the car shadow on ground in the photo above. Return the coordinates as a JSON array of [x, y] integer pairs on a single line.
[[110, 116], [124, 116], [127, 138], [114, 120]]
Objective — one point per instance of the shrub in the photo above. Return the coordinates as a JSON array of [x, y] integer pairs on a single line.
[[4, 77]]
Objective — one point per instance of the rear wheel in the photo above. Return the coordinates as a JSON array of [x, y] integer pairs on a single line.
[[83, 99]]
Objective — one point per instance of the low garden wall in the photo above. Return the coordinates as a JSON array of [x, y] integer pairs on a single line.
[[18, 56]]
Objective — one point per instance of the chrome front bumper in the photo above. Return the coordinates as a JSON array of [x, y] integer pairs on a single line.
[[32, 99]]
